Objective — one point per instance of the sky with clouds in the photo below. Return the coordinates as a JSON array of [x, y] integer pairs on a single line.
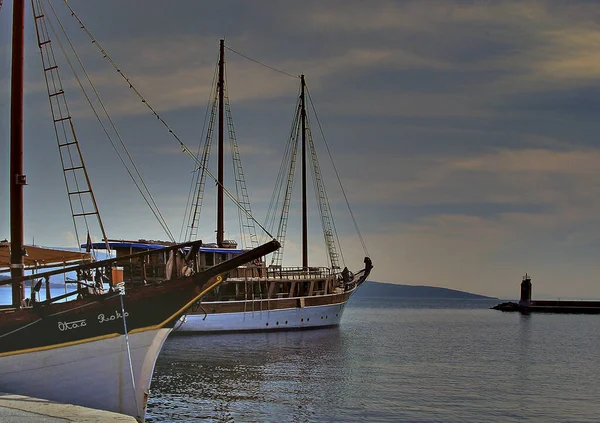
[[465, 132]]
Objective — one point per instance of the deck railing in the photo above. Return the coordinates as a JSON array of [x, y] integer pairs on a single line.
[[298, 272]]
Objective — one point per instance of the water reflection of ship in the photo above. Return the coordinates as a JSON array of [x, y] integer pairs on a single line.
[[236, 371]]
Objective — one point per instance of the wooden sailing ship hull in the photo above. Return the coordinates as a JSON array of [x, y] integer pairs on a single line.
[[274, 314], [99, 350], [97, 316], [79, 351], [76, 351], [93, 374]]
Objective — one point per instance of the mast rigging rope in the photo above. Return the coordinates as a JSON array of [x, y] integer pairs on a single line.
[[147, 196], [194, 181], [260, 63], [183, 146], [362, 241]]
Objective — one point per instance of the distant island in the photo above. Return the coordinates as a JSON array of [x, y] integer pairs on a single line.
[[379, 289]]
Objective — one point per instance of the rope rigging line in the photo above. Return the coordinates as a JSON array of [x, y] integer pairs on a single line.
[[327, 221], [147, 196], [362, 241], [194, 181], [283, 175], [121, 290], [184, 147], [57, 87], [248, 235], [49, 62], [199, 180], [275, 197], [331, 219], [288, 162], [260, 63]]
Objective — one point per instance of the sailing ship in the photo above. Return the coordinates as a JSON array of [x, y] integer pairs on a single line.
[[92, 346], [258, 296], [261, 297]]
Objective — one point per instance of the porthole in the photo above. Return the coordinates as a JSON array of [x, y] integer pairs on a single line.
[[286, 322], [267, 323], [308, 319], [302, 319], [277, 323]]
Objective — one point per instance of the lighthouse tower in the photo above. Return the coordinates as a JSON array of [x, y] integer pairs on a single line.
[[525, 291]]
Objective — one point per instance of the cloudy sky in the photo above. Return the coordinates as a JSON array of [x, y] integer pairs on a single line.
[[465, 132]]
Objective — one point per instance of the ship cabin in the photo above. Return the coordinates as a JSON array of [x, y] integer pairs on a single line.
[[155, 267], [251, 281]]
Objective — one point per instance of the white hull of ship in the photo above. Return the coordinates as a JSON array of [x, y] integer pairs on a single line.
[[264, 320], [93, 374]]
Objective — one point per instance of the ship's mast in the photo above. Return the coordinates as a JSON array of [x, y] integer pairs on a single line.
[[304, 210], [17, 178], [221, 86]]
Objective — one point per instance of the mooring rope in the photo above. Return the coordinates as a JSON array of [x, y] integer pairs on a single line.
[[121, 288]]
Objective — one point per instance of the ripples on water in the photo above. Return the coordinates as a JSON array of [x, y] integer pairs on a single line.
[[389, 361]]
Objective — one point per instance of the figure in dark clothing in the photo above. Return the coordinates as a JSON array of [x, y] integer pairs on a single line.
[[368, 264], [346, 275]]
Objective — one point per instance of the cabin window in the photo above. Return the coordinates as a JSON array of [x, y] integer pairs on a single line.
[[210, 259]]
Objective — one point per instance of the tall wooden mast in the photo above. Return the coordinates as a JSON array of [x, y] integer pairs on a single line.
[[17, 178], [304, 209], [221, 88]]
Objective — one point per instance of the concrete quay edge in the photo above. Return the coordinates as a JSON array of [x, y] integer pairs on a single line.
[[20, 408]]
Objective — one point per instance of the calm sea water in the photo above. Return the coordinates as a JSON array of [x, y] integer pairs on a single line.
[[389, 361]]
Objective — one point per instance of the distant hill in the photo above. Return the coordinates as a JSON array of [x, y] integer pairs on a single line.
[[380, 289]]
